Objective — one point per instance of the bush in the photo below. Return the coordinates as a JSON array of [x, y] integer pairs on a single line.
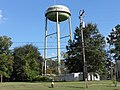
[[41, 78]]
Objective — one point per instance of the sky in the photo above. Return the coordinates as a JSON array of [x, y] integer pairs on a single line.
[[24, 20]]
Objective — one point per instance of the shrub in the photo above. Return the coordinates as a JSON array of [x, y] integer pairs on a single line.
[[41, 78]]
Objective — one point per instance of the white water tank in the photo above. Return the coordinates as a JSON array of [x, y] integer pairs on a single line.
[[63, 13]]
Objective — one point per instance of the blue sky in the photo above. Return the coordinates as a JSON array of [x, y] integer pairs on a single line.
[[24, 20]]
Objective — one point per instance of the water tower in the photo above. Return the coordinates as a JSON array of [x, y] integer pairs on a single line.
[[57, 14]]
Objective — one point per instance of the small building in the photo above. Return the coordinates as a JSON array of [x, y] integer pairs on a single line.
[[70, 77], [77, 77]]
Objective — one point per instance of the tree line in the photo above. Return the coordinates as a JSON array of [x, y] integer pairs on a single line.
[[20, 64], [101, 52], [24, 63]]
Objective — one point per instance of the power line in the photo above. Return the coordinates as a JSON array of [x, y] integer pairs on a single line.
[[36, 42], [52, 48]]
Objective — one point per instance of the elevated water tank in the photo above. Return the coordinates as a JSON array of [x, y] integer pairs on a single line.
[[63, 13]]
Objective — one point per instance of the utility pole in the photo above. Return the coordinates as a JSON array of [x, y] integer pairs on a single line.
[[83, 48]]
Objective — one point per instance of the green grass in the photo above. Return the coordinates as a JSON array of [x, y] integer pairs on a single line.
[[93, 85]]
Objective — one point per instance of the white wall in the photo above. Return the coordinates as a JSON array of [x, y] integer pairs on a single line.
[[77, 77], [92, 77]]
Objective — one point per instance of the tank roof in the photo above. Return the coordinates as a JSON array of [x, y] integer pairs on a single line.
[[51, 12]]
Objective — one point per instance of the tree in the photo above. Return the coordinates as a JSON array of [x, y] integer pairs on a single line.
[[109, 62], [94, 50], [52, 66], [114, 40], [6, 58], [27, 63]]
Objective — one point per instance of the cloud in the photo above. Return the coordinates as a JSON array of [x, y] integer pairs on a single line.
[[2, 18]]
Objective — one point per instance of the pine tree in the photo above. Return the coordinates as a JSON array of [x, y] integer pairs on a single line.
[[94, 50]]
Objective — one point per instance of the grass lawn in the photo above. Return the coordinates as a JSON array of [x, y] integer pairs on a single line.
[[93, 85]]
